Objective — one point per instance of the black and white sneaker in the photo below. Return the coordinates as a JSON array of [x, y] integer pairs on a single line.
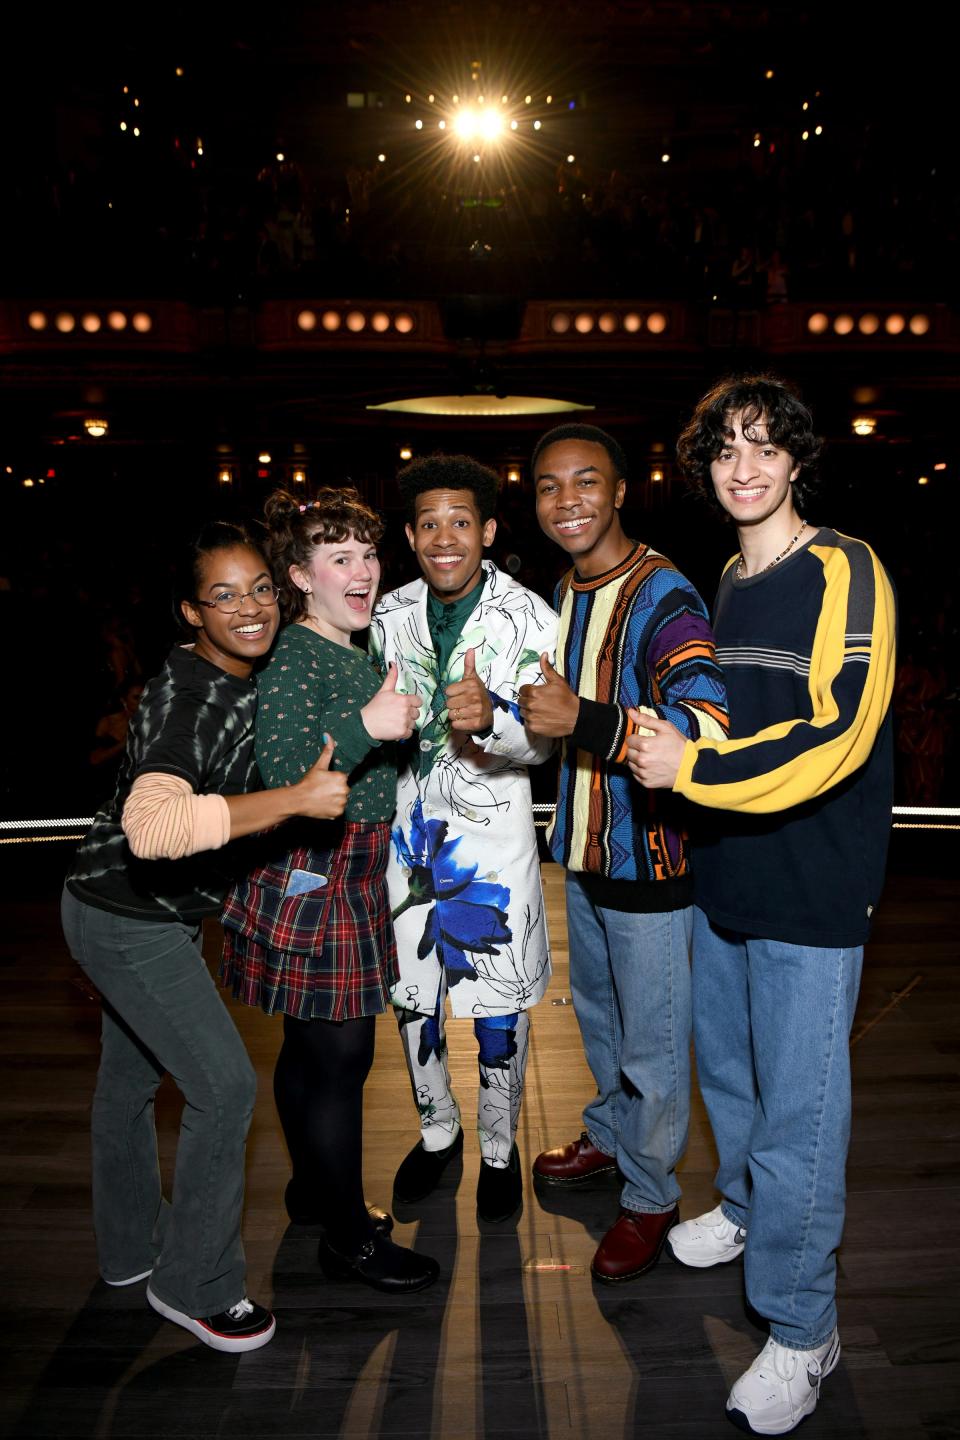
[[244, 1326], [130, 1280]]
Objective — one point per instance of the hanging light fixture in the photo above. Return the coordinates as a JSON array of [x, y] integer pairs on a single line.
[[95, 427]]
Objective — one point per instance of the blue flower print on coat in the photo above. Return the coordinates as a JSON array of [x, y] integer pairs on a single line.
[[467, 916], [497, 1042]]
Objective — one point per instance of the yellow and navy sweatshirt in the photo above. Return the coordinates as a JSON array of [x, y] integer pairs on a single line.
[[636, 635], [792, 841]]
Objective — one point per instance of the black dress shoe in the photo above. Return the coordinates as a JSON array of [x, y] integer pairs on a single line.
[[381, 1265], [499, 1191], [420, 1171], [303, 1209]]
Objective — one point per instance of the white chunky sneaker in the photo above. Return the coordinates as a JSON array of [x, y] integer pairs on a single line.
[[711, 1239], [781, 1388]]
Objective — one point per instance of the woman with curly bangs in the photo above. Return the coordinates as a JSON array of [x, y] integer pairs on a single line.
[[309, 933]]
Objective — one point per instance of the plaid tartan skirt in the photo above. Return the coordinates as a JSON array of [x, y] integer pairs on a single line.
[[328, 954]]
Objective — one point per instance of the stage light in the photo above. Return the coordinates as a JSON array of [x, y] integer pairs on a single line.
[[264, 457], [123, 124], [476, 406], [919, 324], [380, 321], [864, 424], [869, 323], [406, 453], [665, 157], [403, 323], [513, 476], [894, 324], [817, 323], [280, 157], [37, 320], [843, 324], [504, 99], [768, 74], [299, 477], [549, 99], [91, 323], [465, 125], [179, 72], [117, 320], [536, 124], [356, 321], [382, 158], [656, 475], [656, 323], [560, 322], [430, 99], [442, 125], [940, 465], [570, 159], [491, 124], [805, 135], [921, 480], [330, 320], [818, 130], [141, 323], [608, 322], [65, 322], [632, 322], [307, 320], [27, 484], [418, 124], [95, 428], [408, 98], [136, 131], [476, 159], [584, 322], [225, 475], [805, 105], [528, 99], [514, 125]]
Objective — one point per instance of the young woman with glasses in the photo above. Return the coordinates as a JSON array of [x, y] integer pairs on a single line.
[[158, 859], [309, 934]]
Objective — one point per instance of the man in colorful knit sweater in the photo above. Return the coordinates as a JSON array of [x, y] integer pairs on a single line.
[[633, 633], [790, 851]]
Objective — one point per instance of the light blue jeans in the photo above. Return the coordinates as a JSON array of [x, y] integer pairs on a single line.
[[771, 1030], [630, 979], [162, 1013]]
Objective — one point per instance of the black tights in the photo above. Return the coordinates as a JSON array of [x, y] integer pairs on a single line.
[[318, 1087]]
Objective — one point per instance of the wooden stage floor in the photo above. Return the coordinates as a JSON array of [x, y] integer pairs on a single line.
[[515, 1340]]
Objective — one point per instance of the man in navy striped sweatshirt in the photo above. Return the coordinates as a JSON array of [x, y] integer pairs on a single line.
[[790, 851]]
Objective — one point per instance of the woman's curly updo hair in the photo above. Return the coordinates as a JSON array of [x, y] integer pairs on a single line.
[[449, 472], [295, 527], [768, 409]]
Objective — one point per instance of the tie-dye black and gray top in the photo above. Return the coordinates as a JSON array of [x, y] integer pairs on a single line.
[[194, 721]]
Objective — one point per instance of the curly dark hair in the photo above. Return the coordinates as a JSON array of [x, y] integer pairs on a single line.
[[295, 526], [215, 535], [591, 433], [766, 404], [449, 472]]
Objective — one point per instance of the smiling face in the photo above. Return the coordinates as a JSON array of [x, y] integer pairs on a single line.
[[340, 584], [753, 478], [579, 496], [232, 642], [448, 538]]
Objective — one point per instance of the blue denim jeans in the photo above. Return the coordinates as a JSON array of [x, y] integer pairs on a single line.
[[630, 979], [162, 1013], [771, 1032]]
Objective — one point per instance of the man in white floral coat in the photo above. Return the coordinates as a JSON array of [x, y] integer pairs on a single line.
[[464, 873]]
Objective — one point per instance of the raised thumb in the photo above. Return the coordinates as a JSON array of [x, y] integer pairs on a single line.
[[390, 683], [326, 754], [547, 670], [469, 664]]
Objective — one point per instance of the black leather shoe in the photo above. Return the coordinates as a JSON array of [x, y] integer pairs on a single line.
[[303, 1209], [420, 1171], [499, 1191], [381, 1265]]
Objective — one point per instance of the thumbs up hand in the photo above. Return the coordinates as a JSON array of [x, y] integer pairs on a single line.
[[468, 700], [389, 716], [551, 708]]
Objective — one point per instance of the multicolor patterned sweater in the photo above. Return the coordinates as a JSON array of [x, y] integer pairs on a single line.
[[792, 842], [636, 635]]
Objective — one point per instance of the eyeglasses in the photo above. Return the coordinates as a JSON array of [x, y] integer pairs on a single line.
[[228, 602]]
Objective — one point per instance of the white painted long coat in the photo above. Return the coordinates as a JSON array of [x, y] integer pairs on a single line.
[[463, 872]]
